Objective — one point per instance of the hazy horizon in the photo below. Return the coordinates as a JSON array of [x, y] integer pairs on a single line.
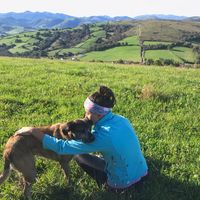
[[85, 8], [98, 15]]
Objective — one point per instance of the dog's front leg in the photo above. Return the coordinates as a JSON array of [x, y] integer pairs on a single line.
[[27, 190], [64, 162]]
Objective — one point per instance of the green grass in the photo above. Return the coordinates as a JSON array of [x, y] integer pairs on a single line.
[[179, 54], [161, 102], [91, 40], [87, 43], [164, 54], [72, 50], [20, 47], [8, 40], [131, 53], [133, 40], [155, 42], [26, 43], [99, 33], [184, 53]]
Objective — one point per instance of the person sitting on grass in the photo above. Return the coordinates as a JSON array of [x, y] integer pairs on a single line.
[[121, 164]]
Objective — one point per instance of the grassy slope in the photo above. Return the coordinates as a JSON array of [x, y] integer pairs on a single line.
[[179, 54], [26, 43], [162, 103], [155, 42], [132, 40], [96, 32], [165, 54], [113, 54], [131, 52], [184, 53], [168, 31]]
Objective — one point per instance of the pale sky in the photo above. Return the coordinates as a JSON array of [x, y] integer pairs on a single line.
[[80, 8]]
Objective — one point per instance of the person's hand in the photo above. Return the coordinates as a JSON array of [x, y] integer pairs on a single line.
[[24, 131]]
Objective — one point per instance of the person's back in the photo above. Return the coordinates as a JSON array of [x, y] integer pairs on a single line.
[[125, 163]]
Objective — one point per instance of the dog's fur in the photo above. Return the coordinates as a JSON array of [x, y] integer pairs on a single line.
[[19, 150]]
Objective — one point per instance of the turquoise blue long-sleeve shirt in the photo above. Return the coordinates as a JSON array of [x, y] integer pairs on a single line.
[[116, 140]]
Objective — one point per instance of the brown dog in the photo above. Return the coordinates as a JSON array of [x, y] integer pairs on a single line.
[[19, 151]]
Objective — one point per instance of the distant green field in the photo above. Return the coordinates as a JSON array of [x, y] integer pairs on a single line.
[[155, 42], [165, 54], [88, 43], [72, 50], [91, 40], [117, 53], [132, 40], [25, 44], [8, 40], [131, 53], [179, 54], [99, 33], [184, 53], [162, 103], [19, 48]]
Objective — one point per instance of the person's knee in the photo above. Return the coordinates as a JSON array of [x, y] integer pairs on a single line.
[[76, 157], [79, 158]]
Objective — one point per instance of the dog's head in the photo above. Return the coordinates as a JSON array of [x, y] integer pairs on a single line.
[[79, 129]]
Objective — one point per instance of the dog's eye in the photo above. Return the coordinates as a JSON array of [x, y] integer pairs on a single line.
[[66, 130]]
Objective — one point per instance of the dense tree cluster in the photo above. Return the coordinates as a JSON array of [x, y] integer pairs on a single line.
[[191, 36], [116, 28], [55, 39], [162, 62], [4, 49], [113, 34]]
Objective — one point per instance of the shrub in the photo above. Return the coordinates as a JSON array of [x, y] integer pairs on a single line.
[[147, 92]]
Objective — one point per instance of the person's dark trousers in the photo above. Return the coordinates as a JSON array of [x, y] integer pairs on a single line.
[[93, 166]]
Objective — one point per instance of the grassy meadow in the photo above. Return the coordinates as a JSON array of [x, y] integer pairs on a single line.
[[114, 54], [163, 53], [162, 103]]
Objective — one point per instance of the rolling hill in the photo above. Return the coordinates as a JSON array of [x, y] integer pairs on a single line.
[[144, 41], [13, 22], [37, 20]]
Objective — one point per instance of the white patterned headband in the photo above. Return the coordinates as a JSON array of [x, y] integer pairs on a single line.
[[95, 108]]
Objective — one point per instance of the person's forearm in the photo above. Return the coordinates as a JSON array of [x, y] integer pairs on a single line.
[[37, 134]]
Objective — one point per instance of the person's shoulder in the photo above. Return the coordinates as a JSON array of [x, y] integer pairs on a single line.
[[120, 117]]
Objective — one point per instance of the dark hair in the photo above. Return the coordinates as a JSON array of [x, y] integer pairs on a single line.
[[104, 97]]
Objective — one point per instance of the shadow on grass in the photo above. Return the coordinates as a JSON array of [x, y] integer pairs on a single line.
[[153, 187], [55, 193], [178, 50]]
